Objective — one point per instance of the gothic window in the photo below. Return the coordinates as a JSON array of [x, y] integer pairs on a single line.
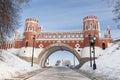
[[68, 36], [38, 36], [53, 36], [59, 36], [49, 36], [81, 35], [46, 36], [33, 28], [95, 26], [73, 36], [28, 29], [77, 35], [86, 26], [90, 25], [64, 36]]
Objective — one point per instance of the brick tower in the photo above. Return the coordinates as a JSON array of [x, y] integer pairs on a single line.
[[31, 28], [91, 27]]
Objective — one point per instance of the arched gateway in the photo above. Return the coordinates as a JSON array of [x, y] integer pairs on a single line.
[[55, 47], [74, 41]]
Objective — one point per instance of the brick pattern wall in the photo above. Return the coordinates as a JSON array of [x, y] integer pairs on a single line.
[[71, 38]]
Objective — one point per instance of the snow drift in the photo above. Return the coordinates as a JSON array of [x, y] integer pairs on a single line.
[[108, 65], [11, 65]]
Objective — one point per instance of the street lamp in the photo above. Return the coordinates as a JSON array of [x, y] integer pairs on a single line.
[[90, 50], [33, 51], [93, 45]]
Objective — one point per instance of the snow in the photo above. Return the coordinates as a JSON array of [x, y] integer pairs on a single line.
[[13, 51], [86, 52], [108, 65], [27, 52], [108, 62], [11, 65]]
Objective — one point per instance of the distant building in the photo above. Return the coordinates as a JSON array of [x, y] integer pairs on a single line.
[[72, 38]]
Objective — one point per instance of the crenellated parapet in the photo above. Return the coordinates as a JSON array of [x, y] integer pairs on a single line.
[[90, 17], [91, 23], [76, 39], [31, 25], [31, 20]]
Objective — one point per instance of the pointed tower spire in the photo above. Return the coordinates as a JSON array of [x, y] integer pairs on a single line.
[[109, 31]]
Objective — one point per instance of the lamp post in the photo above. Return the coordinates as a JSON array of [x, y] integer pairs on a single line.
[[90, 50], [94, 64], [33, 51], [93, 45]]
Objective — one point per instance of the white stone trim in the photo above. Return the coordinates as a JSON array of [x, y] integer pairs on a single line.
[[62, 39], [33, 22], [41, 46], [91, 19], [77, 45], [67, 31]]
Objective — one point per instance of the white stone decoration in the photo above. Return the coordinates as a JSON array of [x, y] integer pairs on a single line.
[[81, 35], [41, 46], [58, 41], [77, 48], [77, 45]]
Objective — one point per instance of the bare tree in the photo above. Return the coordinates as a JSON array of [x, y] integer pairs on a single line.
[[9, 17], [116, 10]]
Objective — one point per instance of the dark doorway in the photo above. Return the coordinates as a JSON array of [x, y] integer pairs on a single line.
[[103, 46], [26, 44]]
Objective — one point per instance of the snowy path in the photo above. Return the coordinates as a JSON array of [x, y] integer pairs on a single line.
[[58, 73]]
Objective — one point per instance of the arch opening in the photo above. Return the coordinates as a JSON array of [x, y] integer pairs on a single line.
[[61, 58], [103, 46], [26, 44], [42, 58]]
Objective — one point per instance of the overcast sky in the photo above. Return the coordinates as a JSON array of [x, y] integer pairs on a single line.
[[55, 15]]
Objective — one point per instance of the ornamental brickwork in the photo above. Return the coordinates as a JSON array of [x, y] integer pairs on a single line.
[[72, 38]]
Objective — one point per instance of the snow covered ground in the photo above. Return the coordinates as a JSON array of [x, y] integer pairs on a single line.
[[108, 65], [86, 52], [108, 62], [11, 65], [26, 52]]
